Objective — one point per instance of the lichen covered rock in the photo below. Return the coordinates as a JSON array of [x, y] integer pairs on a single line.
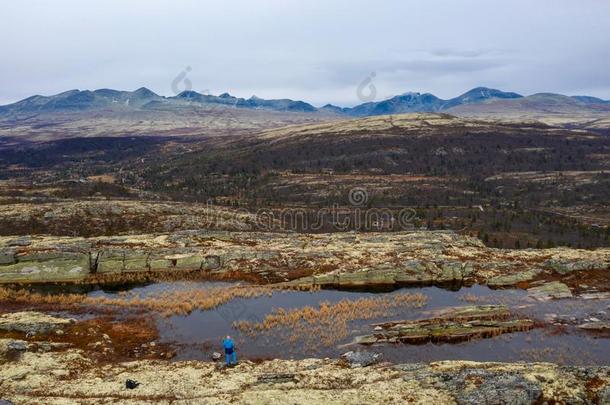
[[336, 259], [552, 290], [41, 378], [32, 323], [450, 325]]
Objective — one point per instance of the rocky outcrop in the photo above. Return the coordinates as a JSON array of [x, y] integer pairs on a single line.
[[12, 349], [42, 266], [33, 371], [552, 290], [68, 377], [32, 323], [562, 264], [473, 385], [337, 259], [107, 217], [514, 279], [451, 325]]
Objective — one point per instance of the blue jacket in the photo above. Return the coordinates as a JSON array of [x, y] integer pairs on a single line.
[[228, 345]]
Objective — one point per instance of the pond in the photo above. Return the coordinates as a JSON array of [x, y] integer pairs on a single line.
[[198, 334]]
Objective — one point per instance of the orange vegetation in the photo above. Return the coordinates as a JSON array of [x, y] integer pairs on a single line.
[[328, 324], [167, 302]]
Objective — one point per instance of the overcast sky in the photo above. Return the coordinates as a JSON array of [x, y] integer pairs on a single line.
[[317, 51]]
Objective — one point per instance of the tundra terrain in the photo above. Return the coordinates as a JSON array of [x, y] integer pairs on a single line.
[[393, 258]]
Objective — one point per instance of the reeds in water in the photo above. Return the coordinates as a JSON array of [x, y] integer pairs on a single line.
[[329, 323]]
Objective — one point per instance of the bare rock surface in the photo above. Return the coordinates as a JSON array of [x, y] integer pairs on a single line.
[[32, 323], [41, 378], [450, 325], [552, 290], [338, 259], [103, 217]]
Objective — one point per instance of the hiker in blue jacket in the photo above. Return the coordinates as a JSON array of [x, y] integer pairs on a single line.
[[230, 355]]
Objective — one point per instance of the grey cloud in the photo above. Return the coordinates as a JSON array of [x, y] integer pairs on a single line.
[[318, 51], [462, 53]]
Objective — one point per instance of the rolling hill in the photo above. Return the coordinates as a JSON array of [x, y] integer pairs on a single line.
[[554, 109]]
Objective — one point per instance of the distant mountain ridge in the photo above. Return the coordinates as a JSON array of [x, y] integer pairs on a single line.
[[426, 102], [145, 99], [82, 100], [142, 98]]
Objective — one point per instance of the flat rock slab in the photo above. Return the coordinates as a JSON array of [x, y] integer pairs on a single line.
[[467, 313], [336, 259], [513, 279], [596, 326], [552, 290], [276, 378], [452, 325], [31, 322], [595, 295]]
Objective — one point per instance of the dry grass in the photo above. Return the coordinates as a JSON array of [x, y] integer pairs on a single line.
[[167, 303], [181, 302], [328, 324]]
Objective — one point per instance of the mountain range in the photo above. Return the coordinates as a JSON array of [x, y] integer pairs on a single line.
[[480, 99], [142, 99], [426, 102]]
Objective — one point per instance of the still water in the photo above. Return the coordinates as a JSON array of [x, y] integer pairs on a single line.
[[198, 334]]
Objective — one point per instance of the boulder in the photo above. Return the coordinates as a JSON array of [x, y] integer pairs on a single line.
[[9, 346], [17, 346], [361, 358]]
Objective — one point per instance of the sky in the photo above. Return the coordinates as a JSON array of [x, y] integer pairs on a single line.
[[320, 51]]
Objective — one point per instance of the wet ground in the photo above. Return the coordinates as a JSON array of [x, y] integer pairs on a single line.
[[197, 335]]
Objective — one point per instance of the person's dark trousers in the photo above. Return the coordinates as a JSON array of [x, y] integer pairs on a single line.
[[231, 356]]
